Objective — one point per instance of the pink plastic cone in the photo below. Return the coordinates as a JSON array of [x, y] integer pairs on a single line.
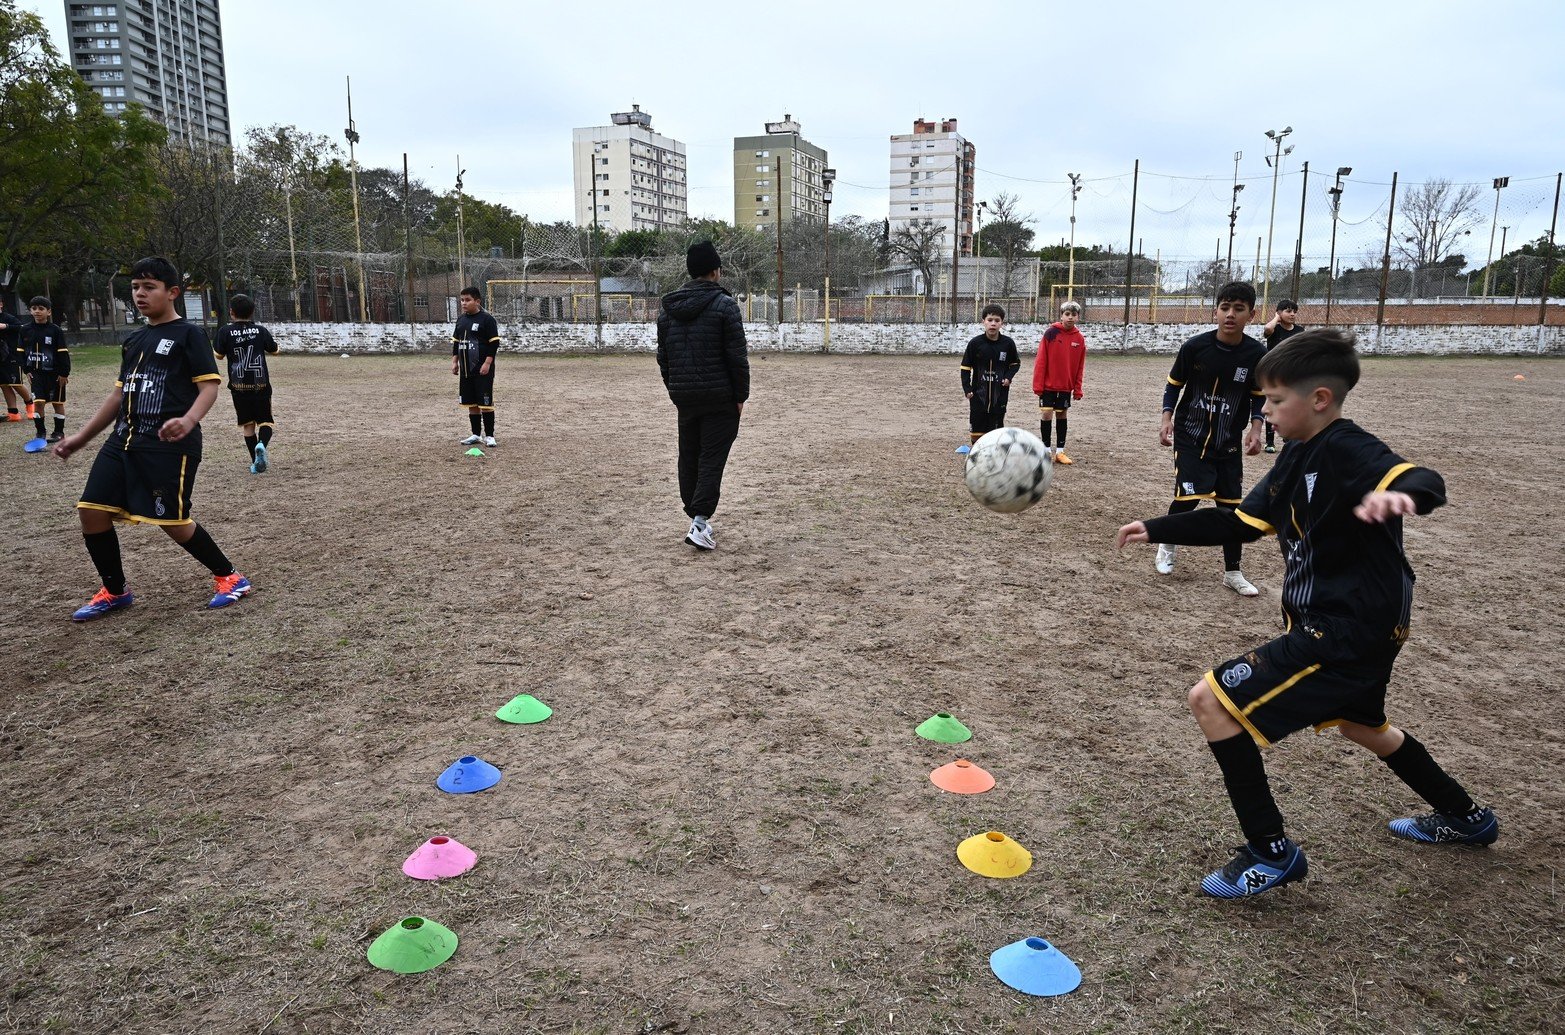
[[439, 857]]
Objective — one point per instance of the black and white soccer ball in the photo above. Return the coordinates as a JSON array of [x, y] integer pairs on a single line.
[[1008, 470]]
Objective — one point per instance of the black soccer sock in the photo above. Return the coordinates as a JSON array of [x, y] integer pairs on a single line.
[[265, 433], [1233, 553], [202, 548], [12, 411], [59, 424], [1414, 767], [1271, 434], [1060, 422], [476, 422], [488, 416], [1046, 431], [104, 549], [1244, 774], [250, 445], [38, 420]]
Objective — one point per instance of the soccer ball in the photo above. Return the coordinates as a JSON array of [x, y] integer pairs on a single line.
[[1008, 470]]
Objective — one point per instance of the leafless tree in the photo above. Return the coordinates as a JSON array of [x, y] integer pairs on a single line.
[[920, 244], [1008, 236], [1434, 218]]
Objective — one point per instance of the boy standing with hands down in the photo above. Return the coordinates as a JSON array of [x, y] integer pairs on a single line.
[[1210, 398], [988, 365], [46, 358], [1056, 375], [474, 344], [1335, 500]]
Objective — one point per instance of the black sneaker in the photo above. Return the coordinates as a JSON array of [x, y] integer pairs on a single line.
[[1436, 828]]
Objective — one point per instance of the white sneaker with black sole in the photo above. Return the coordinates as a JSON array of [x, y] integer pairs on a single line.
[[1165, 559], [489, 440], [471, 440], [700, 536], [1236, 581]]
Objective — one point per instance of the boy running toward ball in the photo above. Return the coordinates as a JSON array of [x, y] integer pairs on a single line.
[[988, 365], [1056, 376], [245, 344], [1210, 401], [145, 472], [475, 341], [1335, 499]]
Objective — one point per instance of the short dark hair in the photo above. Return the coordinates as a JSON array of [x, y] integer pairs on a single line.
[[1322, 357], [1237, 291], [992, 310], [1287, 303], [474, 293], [40, 300], [155, 267], [242, 306]]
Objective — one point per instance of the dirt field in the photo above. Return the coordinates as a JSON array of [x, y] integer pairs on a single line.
[[728, 826]]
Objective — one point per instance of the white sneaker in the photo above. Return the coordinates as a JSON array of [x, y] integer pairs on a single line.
[[1236, 581], [700, 536], [471, 440], [489, 441], [1165, 558]]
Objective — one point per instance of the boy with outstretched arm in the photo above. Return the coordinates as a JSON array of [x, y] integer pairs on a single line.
[[146, 470], [11, 368], [1335, 499], [1208, 404], [988, 365], [1056, 376], [245, 344], [475, 341], [47, 359]]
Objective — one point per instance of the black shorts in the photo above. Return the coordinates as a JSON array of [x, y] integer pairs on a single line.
[[151, 486], [10, 371], [477, 391], [1288, 684], [253, 405], [47, 388], [985, 416], [1054, 401], [1218, 478]]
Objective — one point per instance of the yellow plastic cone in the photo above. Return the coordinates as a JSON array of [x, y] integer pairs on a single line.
[[994, 855]]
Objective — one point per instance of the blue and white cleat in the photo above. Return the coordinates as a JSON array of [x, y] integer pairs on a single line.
[[1249, 874], [227, 589], [259, 467], [1437, 828], [102, 603]]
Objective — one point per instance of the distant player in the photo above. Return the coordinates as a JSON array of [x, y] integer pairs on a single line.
[[474, 344], [1335, 500], [46, 358], [1056, 376], [1210, 398], [11, 368], [989, 364], [1279, 329], [146, 470], [246, 344]]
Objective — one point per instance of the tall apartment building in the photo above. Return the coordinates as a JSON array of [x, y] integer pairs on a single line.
[[778, 173], [633, 177], [165, 55], [932, 178]]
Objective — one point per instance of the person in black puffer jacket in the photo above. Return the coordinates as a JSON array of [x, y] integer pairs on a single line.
[[706, 369]]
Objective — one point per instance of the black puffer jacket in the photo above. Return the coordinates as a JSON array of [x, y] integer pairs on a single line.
[[701, 347]]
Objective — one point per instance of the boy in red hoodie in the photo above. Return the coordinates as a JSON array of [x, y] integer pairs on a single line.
[[1056, 375]]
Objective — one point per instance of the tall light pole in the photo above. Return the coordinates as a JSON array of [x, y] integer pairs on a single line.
[[828, 177], [978, 248], [1233, 222], [1275, 161], [1070, 272], [1499, 182], [352, 134], [461, 236], [1331, 263]]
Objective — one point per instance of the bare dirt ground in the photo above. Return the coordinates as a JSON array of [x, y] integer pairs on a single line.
[[728, 824]]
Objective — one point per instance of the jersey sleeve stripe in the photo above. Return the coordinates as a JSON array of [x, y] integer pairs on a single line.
[[1255, 522], [1392, 475], [205, 377], [494, 339], [1176, 384]]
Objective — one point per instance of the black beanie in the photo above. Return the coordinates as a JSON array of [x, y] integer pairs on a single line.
[[702, 259]]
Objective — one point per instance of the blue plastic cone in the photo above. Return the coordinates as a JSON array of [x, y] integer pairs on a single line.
[[1034, 966], [36, 445], [467, 775]]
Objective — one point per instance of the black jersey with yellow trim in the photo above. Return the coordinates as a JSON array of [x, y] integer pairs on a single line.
[[1218, 394], [1344, 580], [161, 369], [44, 350], [986, 362], [245, 345], [475, 339]]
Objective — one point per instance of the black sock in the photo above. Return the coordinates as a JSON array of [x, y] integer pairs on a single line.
[[1046, 430], [488, 416], [265, 432], [1060, 421], [1233, 553], [477, 423], [1244, 774], [1414, 767], [12, 411], [104, 549], [250, 445], [59, 424], [202, 548], [1271, 434], [38, 421]]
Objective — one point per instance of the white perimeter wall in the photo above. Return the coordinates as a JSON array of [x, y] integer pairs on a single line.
[[898, 339]]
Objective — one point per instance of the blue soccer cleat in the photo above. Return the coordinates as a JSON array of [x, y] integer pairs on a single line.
[[227, 589], [102, 603], [1437, 828], [259, 467], [1249, 874]]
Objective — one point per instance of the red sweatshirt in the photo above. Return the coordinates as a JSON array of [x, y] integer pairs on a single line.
[[1061, 354]]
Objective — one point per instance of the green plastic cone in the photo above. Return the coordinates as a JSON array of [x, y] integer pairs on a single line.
[[944, 727], [413, 946], [524, 708], [475, 451]]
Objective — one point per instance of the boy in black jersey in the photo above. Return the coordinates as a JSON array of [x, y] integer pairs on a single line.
[[1335, 500], [1279, 329], [1210, 398], [11, 368], [45, 357], [245, 344], [988, 365], [146, 469], [474, 343]]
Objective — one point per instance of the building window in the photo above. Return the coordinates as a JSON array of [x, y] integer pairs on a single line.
[[603, 161], [603, 176], [763, 168], [913, 160], [914, 192], [763, 212], [420, 301], [913, 208], [763, 154]]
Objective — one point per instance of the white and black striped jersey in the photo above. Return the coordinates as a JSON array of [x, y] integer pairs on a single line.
[[245, 345], [44, 350], [160, 369], [1217, 394], [474, 339]]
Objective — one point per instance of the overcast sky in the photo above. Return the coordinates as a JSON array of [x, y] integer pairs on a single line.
[[1460, 90]]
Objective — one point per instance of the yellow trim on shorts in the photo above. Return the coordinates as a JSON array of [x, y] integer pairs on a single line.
[[179, 508], [1255, 522], [1239, 716], [470, 407], [121, 514], [1322, 727], [1198, 496], [1392, 475], [1225, 499]]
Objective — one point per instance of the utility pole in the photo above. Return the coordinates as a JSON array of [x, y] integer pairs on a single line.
[[1130, 259], [828, 178], [1548, 265], [461, 236], [407, 241], [1298, 243], [352, 134], [293, 259], [956, 225], [1499, 182], [1070, 270], [1331, 263], [1276, 163], [1233, 213], [1385, 262], [779, 247]]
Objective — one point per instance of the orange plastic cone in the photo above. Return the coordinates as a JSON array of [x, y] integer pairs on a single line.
[[961, 777]]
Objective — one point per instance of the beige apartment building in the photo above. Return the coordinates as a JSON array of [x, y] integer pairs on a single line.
[[628, 176], [932, 178], [777, 174]]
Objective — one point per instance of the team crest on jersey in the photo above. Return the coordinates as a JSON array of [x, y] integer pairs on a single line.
[[1309, 487], [1241, 374], [1236, 675], [157, 506], [1002, 355], [1189, 488], [165, 346]]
